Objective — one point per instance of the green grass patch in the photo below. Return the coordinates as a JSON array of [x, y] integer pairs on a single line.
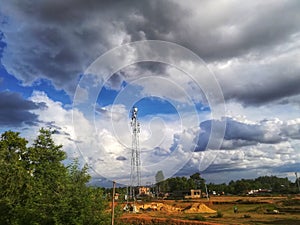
[[263, 208], [195, 217]]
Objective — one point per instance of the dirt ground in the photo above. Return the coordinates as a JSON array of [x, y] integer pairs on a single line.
[[218, 210]]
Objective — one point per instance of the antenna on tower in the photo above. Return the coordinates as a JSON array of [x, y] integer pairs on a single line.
[[135, 175]]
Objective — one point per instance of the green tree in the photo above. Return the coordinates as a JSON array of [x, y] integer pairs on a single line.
[[81, 204], [14, 178], [37, 188], [242, 186], [48, 184], [198, 180]]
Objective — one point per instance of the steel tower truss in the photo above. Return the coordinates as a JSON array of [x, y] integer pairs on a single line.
[[135, 175]]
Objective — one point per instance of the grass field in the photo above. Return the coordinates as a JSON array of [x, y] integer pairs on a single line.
[[251, 210]]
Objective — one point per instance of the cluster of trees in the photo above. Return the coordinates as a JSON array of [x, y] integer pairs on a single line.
[[37, 188], [177, 184], [275, 184], [239, 187]]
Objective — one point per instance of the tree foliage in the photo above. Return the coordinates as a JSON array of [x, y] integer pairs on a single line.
[[177, 184], [273, 184], [37, 188]]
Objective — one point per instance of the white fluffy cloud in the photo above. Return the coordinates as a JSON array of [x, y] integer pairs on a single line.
[[105, 143]]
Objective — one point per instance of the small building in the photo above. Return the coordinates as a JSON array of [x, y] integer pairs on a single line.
[[194, 194], [117, 196], [144, 191]]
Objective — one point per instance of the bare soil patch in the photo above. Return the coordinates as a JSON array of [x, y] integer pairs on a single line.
[[251, 211]]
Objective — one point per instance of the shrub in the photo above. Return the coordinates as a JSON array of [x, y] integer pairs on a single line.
[[219, 214]]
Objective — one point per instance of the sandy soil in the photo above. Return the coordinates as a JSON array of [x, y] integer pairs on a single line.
[[252, 210]]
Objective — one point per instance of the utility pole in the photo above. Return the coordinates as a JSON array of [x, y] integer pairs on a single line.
[[113, 204], [206, 192]]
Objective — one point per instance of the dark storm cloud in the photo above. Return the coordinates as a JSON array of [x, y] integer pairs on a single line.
[[239, 134], [250, 132], [215, 30], [15, 110], [224, 167], [290, 167], [58, 42], [262, 87], [63, 37], [121, 158], [52, 125], [139, 69], [293, 100], [213, 168], [187, 169], [55, 129]]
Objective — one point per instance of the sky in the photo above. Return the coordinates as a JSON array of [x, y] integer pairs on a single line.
[[217, 84]]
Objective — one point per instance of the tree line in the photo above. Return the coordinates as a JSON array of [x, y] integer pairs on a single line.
[[37, 188], [265, 184], [270, 184]]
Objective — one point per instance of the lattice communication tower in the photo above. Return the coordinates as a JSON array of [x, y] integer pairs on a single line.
[[135, 175]]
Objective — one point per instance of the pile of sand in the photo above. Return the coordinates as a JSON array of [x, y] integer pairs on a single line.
[[194, 208], [199, 208], [159, 207], [169, 208]]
